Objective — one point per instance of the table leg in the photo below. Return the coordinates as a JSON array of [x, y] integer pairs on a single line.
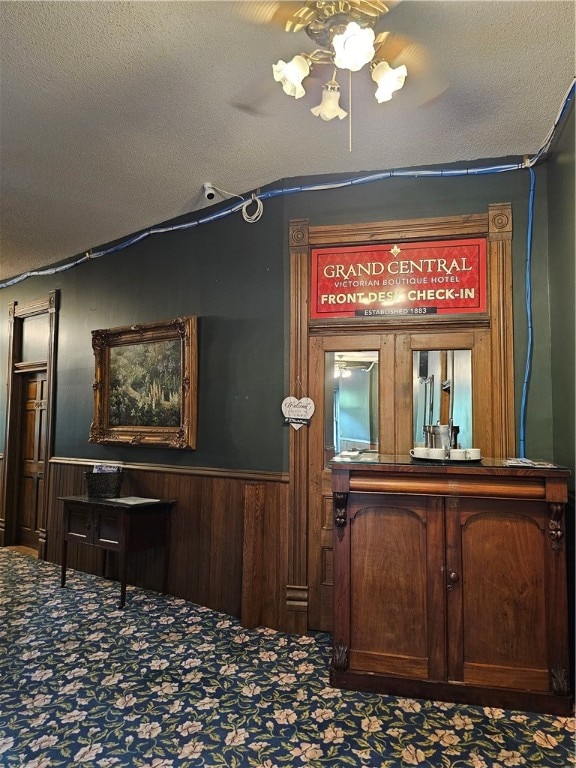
[[166, 552], [123, 568], [104, 562], [63, 567]]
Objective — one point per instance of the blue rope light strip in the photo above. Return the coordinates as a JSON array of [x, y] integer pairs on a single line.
[[530, 342]]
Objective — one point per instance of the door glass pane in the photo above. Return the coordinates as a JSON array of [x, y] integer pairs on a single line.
[[442, 391], [350, 402]]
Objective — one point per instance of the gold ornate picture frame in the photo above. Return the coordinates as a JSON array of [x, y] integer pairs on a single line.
[[145, 384]]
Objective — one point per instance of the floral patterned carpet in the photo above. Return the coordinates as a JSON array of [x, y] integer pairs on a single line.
[[165, 683]]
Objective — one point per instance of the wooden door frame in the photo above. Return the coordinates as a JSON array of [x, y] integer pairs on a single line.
[[17, 314], [496, 226]]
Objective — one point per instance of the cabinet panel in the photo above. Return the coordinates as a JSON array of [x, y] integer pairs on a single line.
[[503, 587], [393, 597], [79, 528], [107, 528]]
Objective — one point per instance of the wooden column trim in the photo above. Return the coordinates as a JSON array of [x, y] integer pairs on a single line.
[[298, 469], [12, 427], [53, 306], [501, 327]]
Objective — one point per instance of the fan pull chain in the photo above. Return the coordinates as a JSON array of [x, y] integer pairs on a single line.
[[350, 111]]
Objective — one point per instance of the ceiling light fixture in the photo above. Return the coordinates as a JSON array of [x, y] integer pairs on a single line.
[[345, 33]]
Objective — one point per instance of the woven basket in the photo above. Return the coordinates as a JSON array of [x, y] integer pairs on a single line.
[[103, 485]]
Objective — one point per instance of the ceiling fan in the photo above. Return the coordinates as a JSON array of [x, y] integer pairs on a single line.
[[347, 37]]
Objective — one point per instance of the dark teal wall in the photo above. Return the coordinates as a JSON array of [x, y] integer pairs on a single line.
[[561, 207], [231, 275], [234, 276]]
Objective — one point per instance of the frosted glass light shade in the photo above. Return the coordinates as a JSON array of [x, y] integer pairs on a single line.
[[354, 47], [388, 80], [291, 75], [329, 107]]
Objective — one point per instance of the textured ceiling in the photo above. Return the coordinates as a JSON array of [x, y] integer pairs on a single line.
[[113, 114]]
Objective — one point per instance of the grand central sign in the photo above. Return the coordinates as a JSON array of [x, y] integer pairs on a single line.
[[433, 278]]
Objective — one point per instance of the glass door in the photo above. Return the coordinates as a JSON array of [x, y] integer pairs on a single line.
[[351, 401]]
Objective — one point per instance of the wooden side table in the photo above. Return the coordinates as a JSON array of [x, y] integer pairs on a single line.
[[124, 525]]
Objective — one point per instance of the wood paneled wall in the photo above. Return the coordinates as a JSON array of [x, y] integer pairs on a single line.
[[2, 513], [228, 536]]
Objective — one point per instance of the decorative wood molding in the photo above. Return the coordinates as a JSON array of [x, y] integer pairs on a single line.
[[236, 474], [474, 225], [340, 656], [297, 598], [555, 529], [35, 307], [30, 367], [298, 233], [340, 500], [502, 328], [560, 682]]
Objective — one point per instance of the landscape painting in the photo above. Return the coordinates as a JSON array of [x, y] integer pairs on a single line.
[[145, 382], [145, 385]]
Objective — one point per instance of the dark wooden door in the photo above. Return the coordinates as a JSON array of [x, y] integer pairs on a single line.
[[499, 592], [390, 564], [33, 454]]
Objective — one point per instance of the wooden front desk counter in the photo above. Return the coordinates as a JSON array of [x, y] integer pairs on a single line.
[[450, 582], [114, 525]]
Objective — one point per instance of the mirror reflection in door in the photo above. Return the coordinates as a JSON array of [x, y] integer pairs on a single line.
[[442, 392], [350, 402]]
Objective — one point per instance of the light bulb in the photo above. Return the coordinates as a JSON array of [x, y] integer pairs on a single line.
[[354, 47], [291, 75], [388, 80], [329, 107]]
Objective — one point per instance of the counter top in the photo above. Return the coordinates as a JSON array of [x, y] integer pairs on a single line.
[[370, 460], [121, 502]]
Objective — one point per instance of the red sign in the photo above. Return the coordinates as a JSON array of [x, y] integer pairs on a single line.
[[436, 278]]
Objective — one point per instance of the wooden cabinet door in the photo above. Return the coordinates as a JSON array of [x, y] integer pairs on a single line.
[[389, 588], [498, 599]]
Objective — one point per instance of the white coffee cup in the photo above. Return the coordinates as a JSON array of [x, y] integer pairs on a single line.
[[458, 454], [419, 452], [473, 454], [436, 453]]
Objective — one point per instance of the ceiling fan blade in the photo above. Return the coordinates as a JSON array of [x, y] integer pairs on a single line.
[[254, 98], [374, 7], [252, 101], [295, 16], [425, 83], [264, 12]]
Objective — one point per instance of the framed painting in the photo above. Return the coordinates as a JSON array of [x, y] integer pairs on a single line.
[[145, 384]]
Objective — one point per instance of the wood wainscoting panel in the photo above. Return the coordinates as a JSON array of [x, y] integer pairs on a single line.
[[2, 511], [227, 536]]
